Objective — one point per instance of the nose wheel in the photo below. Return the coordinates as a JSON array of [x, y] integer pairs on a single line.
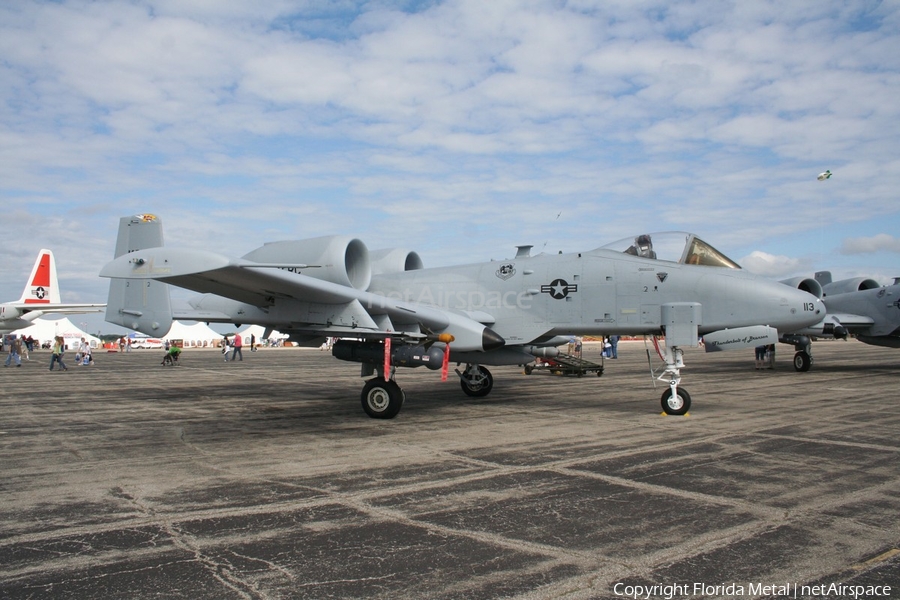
[[476, 381], [676, 402]]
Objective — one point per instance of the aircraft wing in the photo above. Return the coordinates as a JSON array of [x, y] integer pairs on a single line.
[[322, 306], [852, 322], [58, 308], [211, 273]]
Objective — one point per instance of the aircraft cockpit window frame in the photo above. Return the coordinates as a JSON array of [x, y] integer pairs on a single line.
[[698, 252], [674, 246]]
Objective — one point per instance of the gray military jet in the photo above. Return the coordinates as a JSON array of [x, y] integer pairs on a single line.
[[392, 312], [859, 305]]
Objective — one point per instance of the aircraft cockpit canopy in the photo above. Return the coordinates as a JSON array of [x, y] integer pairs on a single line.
[[673, 246]]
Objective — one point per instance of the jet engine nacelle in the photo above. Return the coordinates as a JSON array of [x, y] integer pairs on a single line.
[[10, 312], [394, 260], [856, 284], [339, 259], [806, 284]]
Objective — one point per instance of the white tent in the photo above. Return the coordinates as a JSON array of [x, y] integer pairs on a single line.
[[198, 335], [258, 331], [44, 330]]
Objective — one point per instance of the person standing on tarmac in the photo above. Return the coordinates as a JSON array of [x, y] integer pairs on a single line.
[[15, 351], [59, 348], [236, 345]]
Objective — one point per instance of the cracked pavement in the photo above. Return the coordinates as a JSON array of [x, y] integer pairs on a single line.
[[265, 479]]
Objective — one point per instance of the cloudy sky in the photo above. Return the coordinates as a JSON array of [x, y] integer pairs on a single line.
[[456, 128]]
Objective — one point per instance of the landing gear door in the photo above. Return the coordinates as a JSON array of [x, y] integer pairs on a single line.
[[681, 320]]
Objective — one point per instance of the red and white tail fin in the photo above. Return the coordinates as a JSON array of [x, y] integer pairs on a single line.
[[42, 286]]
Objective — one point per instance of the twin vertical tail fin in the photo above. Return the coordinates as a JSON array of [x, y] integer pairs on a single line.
[[140, 304], [42, 286]]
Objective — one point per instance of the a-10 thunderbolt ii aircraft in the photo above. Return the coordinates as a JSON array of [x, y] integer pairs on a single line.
[[40, 297], [492, 313], [859, 305]]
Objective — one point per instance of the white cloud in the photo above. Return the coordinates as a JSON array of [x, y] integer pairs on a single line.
[[763, 263], [459, 127], [868, 245]]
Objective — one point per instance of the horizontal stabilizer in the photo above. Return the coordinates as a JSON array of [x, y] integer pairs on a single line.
[[740, 337], [70, 309], [162, 263], [238, 279]]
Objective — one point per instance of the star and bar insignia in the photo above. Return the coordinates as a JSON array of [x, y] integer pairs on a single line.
[[559, 289]]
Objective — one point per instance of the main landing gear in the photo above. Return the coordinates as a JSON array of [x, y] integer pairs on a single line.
[[383, 399], [802, 361], [803, 355]]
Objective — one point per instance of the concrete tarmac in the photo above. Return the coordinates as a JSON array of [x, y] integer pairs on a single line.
[[265, 479]]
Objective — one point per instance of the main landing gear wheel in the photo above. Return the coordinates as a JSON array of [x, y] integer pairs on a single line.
[[802, 362], [476, 382], [678, 404], [382, 399]]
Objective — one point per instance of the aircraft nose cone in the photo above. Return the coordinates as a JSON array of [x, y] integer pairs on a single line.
[[491, 340], [807, 309]]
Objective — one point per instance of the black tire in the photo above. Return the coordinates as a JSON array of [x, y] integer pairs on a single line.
[[679, 405], [802, 362], [382, 399], [528, 369], [480, 389]]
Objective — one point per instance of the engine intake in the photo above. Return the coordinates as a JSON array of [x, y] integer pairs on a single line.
[[806, 284], [856, 284], [394, 260]]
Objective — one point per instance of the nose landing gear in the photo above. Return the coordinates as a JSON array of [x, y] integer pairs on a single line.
[[675, 400], [476, 381]]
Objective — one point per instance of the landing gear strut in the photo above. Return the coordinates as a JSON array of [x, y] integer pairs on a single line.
[[675, 400]]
